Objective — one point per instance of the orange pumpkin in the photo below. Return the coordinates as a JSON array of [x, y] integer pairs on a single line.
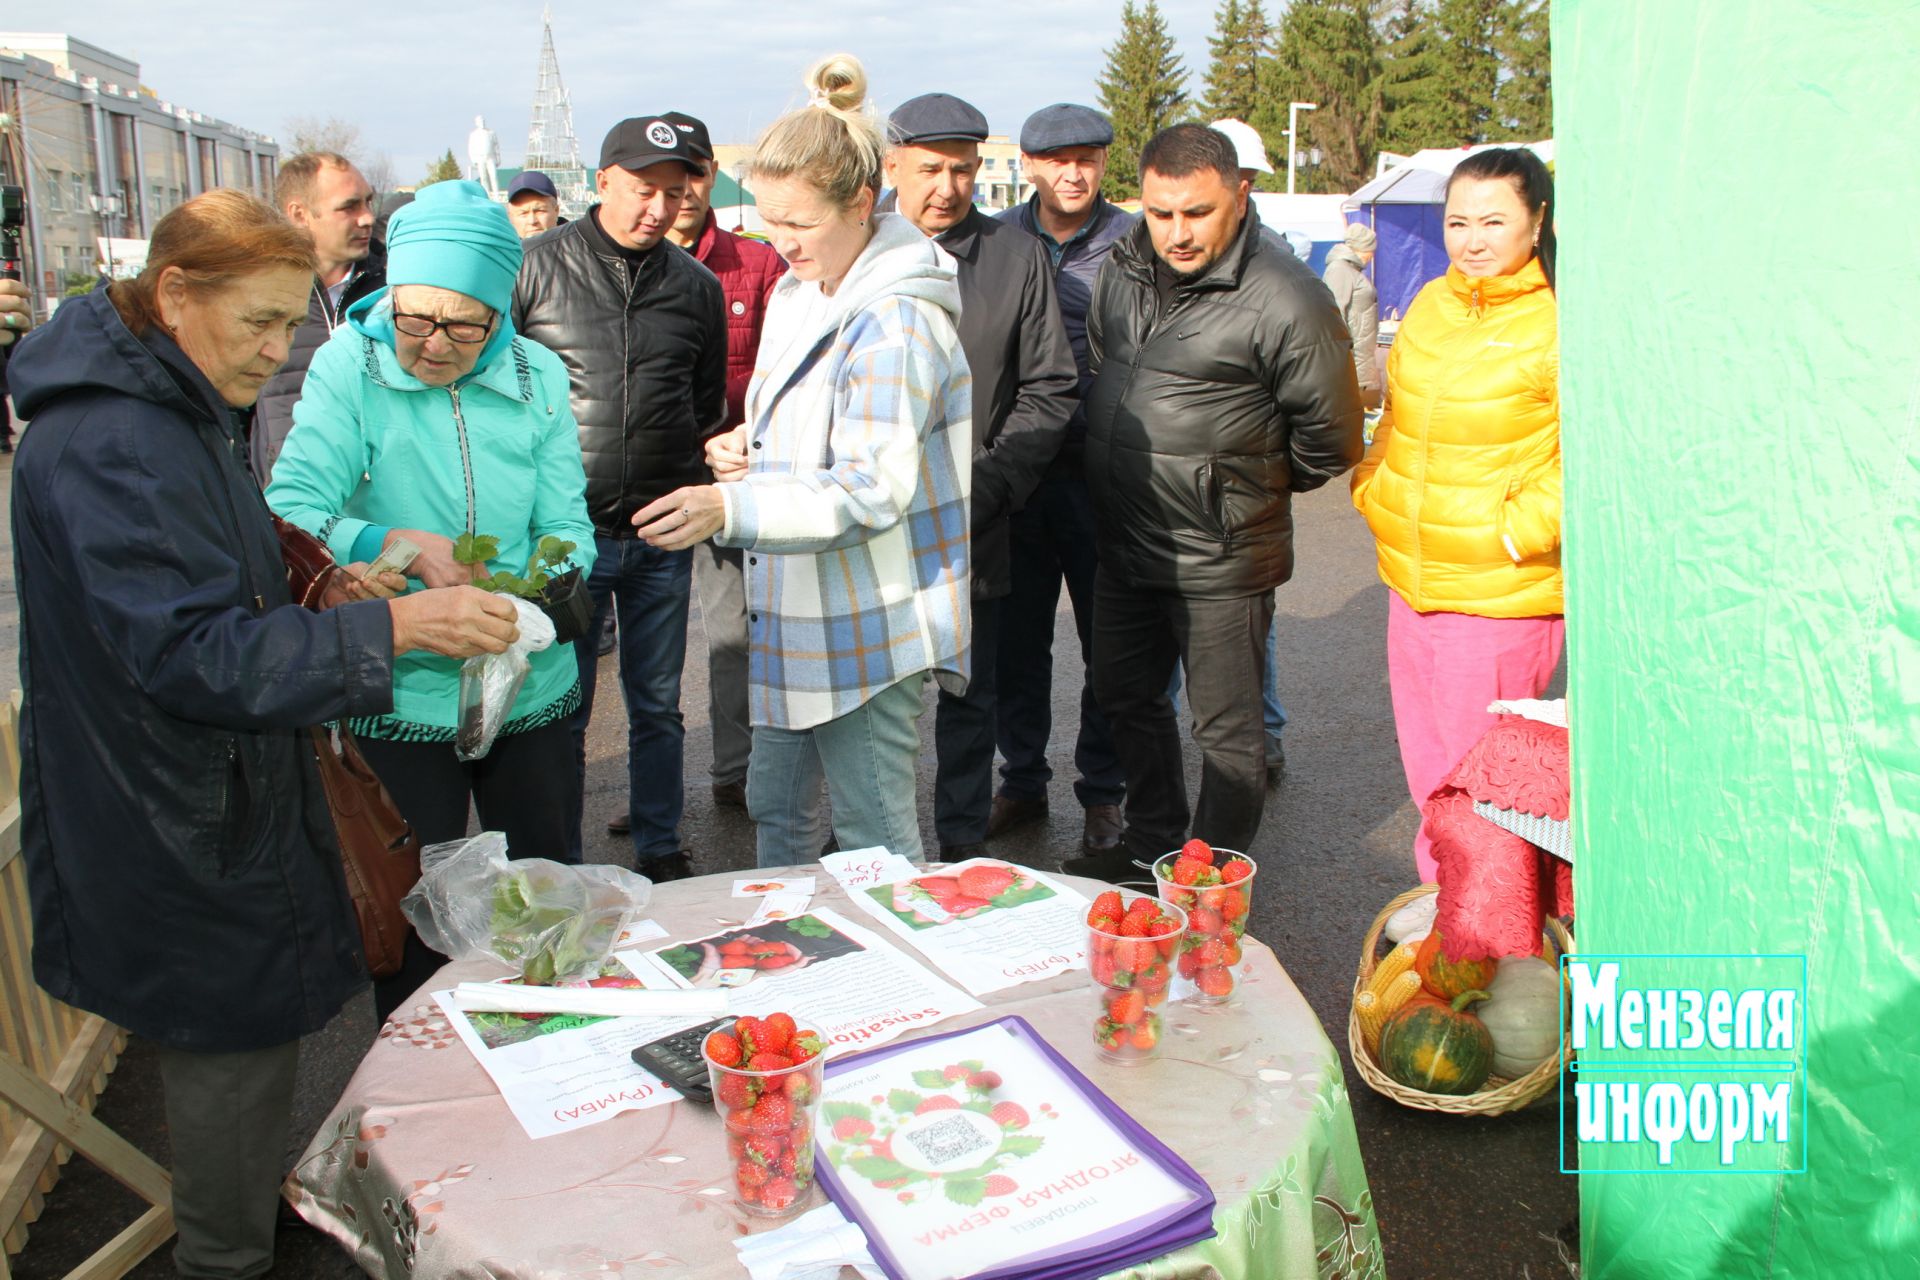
[[1446, 977]]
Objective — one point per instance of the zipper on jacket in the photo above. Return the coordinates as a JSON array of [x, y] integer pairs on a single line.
[[466, 457]]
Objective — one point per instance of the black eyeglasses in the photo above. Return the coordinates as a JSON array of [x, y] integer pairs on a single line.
[[464, 332]]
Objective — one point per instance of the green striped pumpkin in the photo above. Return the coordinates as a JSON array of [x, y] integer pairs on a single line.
[[1438, 1046]]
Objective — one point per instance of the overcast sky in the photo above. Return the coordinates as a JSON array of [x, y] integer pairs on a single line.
[[413, 76]]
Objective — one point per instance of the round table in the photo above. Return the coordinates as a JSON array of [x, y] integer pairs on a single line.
[[421, 1170]]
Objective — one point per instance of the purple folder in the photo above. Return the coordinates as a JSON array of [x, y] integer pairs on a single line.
[[1149, 1237]]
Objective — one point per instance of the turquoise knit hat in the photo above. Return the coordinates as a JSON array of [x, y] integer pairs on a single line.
[[454, 237]]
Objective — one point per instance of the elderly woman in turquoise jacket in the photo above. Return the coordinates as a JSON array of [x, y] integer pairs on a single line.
[[426, 417]]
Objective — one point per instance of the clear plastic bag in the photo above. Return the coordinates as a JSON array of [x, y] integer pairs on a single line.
[[490, 683], [554, 922]]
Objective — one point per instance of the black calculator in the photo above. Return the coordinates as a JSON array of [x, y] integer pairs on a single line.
[[677, 1059]]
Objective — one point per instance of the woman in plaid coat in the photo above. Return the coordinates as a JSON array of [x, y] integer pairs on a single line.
[[847, 485]]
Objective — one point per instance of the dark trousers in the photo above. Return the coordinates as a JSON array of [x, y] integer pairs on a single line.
[[227, 1121], [651, 591], [523, 788], [963, 741], [1221, 643], [1052, 542]]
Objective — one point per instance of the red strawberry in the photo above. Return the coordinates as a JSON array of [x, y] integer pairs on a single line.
[[1233, 950], [749, 1176], [1238, 869], [751, 1032], [986, 882], [1187, 870], [1010, 1115], [1233, 903], [961, 904], [779, 1193], [984, 1081], [954, 1071], [1145, 1035], [1135, 927], [1199, 850], [999, 1184], [807, 1045], [1214, 981], [940, 886], [737, 1091], [1132, 956], [938, 1102], [1105, 924], [780, 1031], [1187, 965], [766, 1149], [723, 1049], [1107, 904], [769, 1062], [1103, 968], [1128, 1006], [772, 1114], [1205, 920], [1141, 907], [1208, 954], [852, 1129]]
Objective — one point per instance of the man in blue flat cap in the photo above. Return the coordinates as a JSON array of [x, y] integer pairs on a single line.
[[533, 204], [1023, 393], [1064, 153]]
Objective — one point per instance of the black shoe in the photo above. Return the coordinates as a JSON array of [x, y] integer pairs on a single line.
[[1010, 812], [620, 826], [730, 795], [1111, 865], [961, 852], [667, 867], [1276, 762]]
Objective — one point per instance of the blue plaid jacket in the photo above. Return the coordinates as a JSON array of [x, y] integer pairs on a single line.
[[855, 503]]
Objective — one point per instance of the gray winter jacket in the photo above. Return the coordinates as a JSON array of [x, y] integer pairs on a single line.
[[1346, 275]]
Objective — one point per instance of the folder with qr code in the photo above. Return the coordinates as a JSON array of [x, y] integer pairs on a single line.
[[984, 1153]]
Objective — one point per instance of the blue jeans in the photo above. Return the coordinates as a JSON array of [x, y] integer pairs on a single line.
[[867, 757], [650, 589]]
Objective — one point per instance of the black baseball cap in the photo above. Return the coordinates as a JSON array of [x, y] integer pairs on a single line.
[[532, 180], [649, 140], [695, 132]]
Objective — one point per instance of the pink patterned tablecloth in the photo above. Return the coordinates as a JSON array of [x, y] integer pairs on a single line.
[[421, 1170]]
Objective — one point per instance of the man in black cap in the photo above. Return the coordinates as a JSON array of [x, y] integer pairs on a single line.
[[642, 329], [532, 204], [1064, 154], [1023, 393]]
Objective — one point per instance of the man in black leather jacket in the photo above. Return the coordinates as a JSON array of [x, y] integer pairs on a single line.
[[1223, 384], [642, 329]]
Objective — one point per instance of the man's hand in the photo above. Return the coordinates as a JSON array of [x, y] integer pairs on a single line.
[[352, 583], [454, 622], [16, 311], [435, 564], [682, 518], [727, 454]]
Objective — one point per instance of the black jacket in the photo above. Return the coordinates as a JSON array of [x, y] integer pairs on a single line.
[[273, 411], [1203, 421], [646, 355], [1023, 380], [180, 857], [1074, 270]]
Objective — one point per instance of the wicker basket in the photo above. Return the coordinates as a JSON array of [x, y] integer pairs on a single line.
[[1500, 1095]]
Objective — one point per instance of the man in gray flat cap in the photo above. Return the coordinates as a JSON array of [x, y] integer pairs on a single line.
[[1023, 393], [1064, 154]]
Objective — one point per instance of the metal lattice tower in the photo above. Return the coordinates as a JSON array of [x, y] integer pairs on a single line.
[[550, 140]]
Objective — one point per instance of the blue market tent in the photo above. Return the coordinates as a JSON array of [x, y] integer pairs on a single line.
[[1403, 208]]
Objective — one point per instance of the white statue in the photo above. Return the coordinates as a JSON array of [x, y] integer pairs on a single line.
[[483, 156]]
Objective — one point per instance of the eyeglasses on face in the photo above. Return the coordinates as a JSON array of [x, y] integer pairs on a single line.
[[465, 332]]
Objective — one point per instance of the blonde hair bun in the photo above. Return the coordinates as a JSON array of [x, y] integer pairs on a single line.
[[837, 82]]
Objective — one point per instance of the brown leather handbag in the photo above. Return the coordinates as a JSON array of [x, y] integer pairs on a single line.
[[378, 848]]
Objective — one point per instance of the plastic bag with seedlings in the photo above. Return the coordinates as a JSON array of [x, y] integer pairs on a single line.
[[490, 683], [553, 922]]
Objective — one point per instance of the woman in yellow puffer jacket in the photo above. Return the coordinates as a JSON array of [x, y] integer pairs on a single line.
[[1462, 485]]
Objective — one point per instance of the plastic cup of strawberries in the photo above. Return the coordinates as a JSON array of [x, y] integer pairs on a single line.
[[767, 1077], [1215, 888], [1133, 940]]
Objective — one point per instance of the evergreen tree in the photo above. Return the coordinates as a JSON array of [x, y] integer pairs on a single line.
[[1523, 100], [1143, 90], [1238, 46], [1470, 64], [445, 169], [1416, 109], [1326, 53]]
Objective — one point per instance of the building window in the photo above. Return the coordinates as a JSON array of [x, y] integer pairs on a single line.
[[54, 194], [79, 193], [992, 163]]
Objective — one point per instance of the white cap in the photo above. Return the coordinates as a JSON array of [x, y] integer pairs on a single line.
[[1246, 141]]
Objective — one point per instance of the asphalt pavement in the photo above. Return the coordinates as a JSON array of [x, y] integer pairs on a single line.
[[1462, 1197]]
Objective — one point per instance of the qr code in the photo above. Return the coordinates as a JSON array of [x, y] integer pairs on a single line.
[[945, 1141]]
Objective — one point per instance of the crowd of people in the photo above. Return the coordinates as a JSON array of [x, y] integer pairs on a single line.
[[876, 447]]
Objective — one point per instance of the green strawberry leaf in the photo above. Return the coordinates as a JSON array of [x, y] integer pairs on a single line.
[[1021, 1144], [878, 1168], [810, 927], [966, 1190], [982, 1106], [472, 548], [847, 1111], [904, 1101], [930, 1079]]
